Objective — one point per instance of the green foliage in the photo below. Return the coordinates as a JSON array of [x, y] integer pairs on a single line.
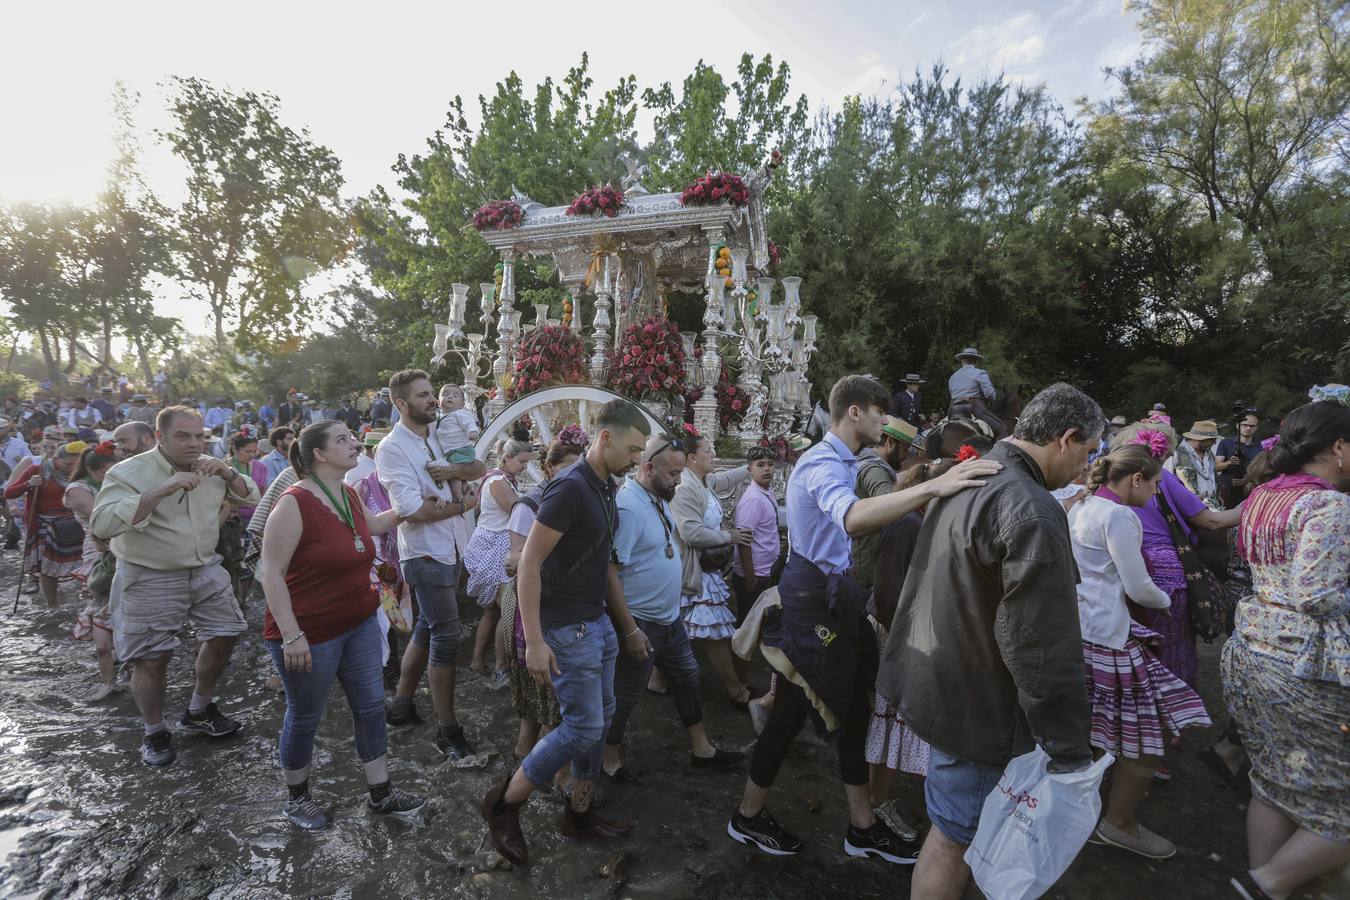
[[262, 212]]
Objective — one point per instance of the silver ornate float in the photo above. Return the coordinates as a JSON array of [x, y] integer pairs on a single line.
[[653, 246]]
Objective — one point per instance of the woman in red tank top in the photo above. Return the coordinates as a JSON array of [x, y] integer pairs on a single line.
[[320, 625]]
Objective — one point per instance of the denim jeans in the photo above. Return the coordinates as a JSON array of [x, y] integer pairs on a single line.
[[954, 792], [354, 660], [585, 688], [674, 656], [434, 586]]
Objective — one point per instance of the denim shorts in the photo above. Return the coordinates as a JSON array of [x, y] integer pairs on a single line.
[[955, 791]]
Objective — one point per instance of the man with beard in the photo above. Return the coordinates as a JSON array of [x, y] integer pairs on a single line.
[[878, 468], [650, 573], [412, 466], [132, 439], [572, 633]]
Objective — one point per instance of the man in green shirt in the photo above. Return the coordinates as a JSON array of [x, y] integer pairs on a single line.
[[160, 512], [878, 469]]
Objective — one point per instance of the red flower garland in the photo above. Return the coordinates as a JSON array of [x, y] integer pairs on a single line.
[[649, 360], [500, 215], [715, 188], [548, 356], [731, 403], [605, 199]]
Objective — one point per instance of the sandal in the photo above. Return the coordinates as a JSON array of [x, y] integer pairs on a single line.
[[1246, 885]]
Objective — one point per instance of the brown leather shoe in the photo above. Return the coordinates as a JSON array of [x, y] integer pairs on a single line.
[[504, 826], [592, 826]]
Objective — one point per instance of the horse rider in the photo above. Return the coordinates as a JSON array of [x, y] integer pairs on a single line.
[[972, 392]]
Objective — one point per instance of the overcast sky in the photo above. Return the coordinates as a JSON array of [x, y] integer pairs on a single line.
[[372, 79]]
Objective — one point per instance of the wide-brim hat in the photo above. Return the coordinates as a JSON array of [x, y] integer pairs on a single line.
[[799, 442], [970, 352], [1203, 430], [900, 430], [374, 436], [5, 423], [912, 378], [141, 397]]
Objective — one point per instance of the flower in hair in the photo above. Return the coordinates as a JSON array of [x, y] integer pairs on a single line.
[[105, 448], [1332, 393], [967, 453], [1270, 442], [691, 430], [1155, 441], [573, 436]]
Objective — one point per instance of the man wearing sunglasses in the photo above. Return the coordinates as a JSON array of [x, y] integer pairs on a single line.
[[650, 571]]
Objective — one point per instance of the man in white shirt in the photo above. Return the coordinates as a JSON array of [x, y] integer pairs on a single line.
[[82, 415], [218, 416], [413, 469]]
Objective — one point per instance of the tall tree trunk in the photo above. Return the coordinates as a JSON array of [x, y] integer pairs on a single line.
[[53, 362], [144, 357], [105, 361]]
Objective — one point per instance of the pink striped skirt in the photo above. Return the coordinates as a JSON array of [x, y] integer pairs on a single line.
[[1136, 700]]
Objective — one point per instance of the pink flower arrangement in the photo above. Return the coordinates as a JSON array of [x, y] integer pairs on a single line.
[[1270, 442], [1156, 442], [548, 356], [499, 215], [649, 360], [714, 188], [606, 199]]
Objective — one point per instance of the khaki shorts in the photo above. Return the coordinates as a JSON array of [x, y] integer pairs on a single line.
[[150, 607]]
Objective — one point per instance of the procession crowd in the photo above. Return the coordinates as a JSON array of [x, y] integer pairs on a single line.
[[932, 599]]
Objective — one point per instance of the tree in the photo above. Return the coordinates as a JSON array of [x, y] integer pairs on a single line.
[[262, 212]]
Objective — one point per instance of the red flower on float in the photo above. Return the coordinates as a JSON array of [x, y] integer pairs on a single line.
[[499, 215], [714, 188]]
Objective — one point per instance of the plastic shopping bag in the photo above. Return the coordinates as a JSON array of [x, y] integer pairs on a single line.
[[1032, 826]]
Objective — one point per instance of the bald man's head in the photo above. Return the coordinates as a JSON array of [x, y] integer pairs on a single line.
[[661, 468], [133, 438]]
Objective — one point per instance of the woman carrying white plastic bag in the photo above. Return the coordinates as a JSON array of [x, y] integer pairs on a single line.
[[1032, 826]]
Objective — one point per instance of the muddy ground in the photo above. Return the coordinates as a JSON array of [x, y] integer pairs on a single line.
[[81, 817]]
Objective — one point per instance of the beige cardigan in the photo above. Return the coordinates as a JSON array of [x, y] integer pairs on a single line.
[[691, 535]]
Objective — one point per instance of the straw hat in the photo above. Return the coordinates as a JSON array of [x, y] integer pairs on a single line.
[[374, 436], [1203, 430], [913, 378], [970, 352], [900, 430]]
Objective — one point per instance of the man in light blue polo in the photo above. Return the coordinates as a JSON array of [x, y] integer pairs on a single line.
[[650, 570], [819, 641], [972, 392]]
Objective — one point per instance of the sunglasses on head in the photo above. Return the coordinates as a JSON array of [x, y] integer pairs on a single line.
[[676, 444]]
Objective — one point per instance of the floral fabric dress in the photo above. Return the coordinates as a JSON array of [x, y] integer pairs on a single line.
[[1286, 669]]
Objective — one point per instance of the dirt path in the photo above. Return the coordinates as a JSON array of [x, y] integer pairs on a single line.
[[81, 817]]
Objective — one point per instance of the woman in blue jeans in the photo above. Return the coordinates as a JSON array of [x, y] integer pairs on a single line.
[[320, 624]]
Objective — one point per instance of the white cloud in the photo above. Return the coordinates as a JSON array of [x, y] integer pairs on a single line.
[[1017, 42]]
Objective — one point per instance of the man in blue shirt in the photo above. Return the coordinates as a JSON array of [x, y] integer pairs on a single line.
[[972, 392], [819, 641], [278, 460], [650, 572], [562, 582], [1232, 457]]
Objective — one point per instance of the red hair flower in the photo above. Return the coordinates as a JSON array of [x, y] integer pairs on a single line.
[[967, 453]]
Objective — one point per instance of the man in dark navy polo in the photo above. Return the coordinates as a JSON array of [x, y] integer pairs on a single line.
[[563, 580], [907, 404]]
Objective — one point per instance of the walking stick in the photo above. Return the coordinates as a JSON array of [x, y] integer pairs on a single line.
[[29, 512]]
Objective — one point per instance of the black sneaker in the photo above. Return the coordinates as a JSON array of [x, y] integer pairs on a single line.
[[451, 741], [307, 814], [157, 749], [721, 759], [396, 801], [402, 714], [210, 722], [880, 841], [764, 832]]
